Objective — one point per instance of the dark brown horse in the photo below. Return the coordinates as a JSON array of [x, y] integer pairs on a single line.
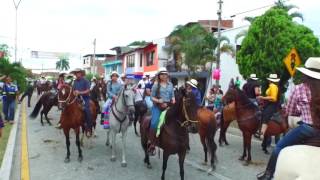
[[174, 137], [72, 117], [41, 88], [248, 120], [47, 100]]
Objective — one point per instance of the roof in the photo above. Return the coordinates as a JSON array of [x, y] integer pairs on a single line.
[[99, 55]]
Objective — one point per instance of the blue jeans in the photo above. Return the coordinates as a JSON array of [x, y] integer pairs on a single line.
[[293, 137], [9, 109], [87, 111], [155, 115]]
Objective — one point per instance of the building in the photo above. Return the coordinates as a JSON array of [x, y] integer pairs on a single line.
[[95, 66]]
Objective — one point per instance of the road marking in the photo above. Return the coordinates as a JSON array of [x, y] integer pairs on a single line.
[[25, 173]]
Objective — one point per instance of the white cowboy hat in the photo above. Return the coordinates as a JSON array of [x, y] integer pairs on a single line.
[[144, 76], [193, 83], [123, 75], [253, 76], [77, 70], [114, 73], [163, 70], [273, 78], [93, 78], [311, 67]]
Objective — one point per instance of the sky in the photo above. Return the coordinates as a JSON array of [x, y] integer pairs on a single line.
[[72, 25]]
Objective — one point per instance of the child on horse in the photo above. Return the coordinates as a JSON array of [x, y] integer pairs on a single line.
[[303, 102], [81, 88], [162, 96], [113, 90], [271, 102]]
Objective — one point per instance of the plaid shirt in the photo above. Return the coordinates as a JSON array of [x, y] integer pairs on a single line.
[[299, 103]]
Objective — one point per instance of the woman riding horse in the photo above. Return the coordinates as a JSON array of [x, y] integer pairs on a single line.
[[305, 102]]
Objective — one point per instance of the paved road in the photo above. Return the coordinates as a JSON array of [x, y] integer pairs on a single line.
[[46, 146]]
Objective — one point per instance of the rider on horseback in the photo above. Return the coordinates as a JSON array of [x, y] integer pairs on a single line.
[[272, 102], [303, 102], [191, 86], [162, 95], [81, 88], [252, 89]]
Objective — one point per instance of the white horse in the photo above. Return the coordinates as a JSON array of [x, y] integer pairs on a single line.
[[121, 114], [299, 162]]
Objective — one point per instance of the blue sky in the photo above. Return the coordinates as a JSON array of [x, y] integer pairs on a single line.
[[71, 25]]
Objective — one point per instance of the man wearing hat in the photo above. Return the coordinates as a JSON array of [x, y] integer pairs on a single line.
[[252, 88], [303, 102], [28, 92], [81, 87], [93, 82], [122, 79], [191, 86], [10, 91]]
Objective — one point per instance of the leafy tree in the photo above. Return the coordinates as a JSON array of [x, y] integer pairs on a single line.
[[63, 63], [193, 46], [89, 76], [138, 43], [269, 40]]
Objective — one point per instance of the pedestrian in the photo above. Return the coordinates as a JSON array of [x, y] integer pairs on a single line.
[[28, 92], [210, 98], [238, 82], [1, 120], [217, 104], [10, 92], [142, 82], [81, 87], [252, 88], [191, 86], [303, 102], [122, 79], [162, 96], [271, 102]]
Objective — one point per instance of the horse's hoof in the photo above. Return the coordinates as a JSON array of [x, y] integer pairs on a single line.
[[149, 166], [107, 143], [210, 170], [246, 163], [67, 160], [227, 144], [266, 152], [123, 164], [204, 163], [241, 158], [113, 159], [80, 158]]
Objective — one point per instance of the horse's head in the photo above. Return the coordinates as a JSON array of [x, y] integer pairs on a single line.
[[128, 96], [230, 96], [64, 96], [189, 107]]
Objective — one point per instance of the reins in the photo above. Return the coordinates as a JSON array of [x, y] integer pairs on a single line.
[[67, 101], [188, 120]]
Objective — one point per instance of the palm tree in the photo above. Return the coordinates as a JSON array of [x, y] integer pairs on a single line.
[[63, 63]]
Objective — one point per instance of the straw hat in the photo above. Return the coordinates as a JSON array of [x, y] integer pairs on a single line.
[[193, 83], [273, 78], [78, 70], [312, 67], [163, 70], [253, 77], [114, 73], [93, 78]]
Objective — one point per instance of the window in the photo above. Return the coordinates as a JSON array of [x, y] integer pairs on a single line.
[[141, 56], [130, 60], [114, 68], [150, 58]]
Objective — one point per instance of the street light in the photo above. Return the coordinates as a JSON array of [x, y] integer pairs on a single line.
[[16, 5]]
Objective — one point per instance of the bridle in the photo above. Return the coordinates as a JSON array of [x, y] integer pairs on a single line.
[[186, 116], [68, 100]]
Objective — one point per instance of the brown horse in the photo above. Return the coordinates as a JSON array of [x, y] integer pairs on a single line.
[[174, 137], [227, 116], [246, 114], [72, 117], [206, 128]]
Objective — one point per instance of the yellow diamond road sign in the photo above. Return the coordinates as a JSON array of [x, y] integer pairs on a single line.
[[292, 61]]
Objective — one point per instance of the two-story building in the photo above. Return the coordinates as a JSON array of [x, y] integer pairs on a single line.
[[93, 63]]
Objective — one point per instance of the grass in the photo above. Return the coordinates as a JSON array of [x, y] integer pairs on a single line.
[[4, 140]]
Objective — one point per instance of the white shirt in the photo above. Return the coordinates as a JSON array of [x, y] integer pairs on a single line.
[[143, 85], [139, 95]]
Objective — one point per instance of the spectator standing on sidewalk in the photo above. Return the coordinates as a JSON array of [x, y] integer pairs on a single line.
[[1, 120], [10, 91], [28, 92]]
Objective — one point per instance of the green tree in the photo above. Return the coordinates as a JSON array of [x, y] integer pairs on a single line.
[[269, 40], [89, 76], [138, 43], [193, 46], [63, 63]]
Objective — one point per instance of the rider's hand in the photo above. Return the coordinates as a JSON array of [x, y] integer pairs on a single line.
[[173, 101], [160, 101], [164, 105], [76, 92], [114, 98]]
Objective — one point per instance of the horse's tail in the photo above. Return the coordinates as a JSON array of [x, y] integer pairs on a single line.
[[212, 146], [36, 109]]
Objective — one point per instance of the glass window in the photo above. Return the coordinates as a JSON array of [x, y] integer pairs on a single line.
[[141, 56], [130, 60]]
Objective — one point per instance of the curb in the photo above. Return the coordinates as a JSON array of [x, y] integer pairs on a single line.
[[5, 171]]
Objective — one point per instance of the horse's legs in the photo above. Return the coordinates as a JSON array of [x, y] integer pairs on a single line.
[[77, 131], [108, 138], [249, 136], [164, 164], [181, 156], [124, 136], [136, 116], [205, 149], [244, 154], [113, 139], [66, 134], [41, 115]]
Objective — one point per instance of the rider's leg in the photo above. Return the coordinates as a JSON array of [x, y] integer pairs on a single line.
[[87, 112], [267, 113], [154, 124]]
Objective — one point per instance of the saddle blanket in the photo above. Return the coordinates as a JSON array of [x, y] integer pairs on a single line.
[[161, 122]]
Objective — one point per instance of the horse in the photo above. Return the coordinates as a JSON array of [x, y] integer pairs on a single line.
[[174, 137], [47, 100], [248, 120], [43, 88], [140, 110], [207, 127], [72, 117], [121, 116], [227, 116], [298, 162]]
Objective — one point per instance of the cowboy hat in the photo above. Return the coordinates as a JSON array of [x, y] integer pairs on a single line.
[[62, 74], [123, 75], [93, 78], [193, 83], [253, 77], [163, 70], [311, 67], [273, 78], [77, 70], [114, 73]]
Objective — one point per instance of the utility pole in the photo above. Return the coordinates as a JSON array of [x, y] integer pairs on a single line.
[[16, 6], [94, 56], [219, 36]]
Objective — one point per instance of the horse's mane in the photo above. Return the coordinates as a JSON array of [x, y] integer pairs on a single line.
[[243, 98]]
